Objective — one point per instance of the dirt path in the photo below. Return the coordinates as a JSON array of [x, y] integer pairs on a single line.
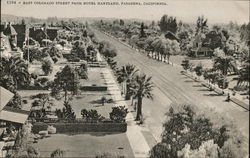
[[171, 86]]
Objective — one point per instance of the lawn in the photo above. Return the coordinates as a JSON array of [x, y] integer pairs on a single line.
[[95, 77], [88, 100], [86, 145]]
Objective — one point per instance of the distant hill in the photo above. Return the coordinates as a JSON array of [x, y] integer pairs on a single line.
[[18, 19]]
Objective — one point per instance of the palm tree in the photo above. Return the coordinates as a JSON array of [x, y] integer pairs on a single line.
[[224, 63], [142, 87], [125, 75], [244, 74], [15, 70]]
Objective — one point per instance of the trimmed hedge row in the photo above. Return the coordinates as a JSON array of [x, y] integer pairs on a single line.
[[81, 127], [94, 88]]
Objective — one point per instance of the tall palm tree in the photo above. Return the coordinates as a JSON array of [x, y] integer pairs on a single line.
[[125, 76], [16, 70], [142, 88], [224, 64], [244, 73]]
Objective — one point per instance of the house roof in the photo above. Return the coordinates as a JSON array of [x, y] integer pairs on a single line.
[[2, 35], [5, 97], [14, 115], [52, 28], [171, 36], [10, 30]]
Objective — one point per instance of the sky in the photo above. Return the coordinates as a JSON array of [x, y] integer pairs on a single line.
[[216, 11]]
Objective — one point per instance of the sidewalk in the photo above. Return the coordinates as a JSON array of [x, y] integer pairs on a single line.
[[137, 141], [134, 133]]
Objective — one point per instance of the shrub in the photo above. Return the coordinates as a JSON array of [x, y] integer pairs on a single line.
[[91, 115], [47, 66], [118, 114], [41, 82], [198, 69], [185, 64]]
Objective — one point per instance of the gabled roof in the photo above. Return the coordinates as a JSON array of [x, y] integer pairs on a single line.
[[8, 113], [171, 36], [2, 35], [10, 30]]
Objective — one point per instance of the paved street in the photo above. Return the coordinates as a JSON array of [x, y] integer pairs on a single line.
[[171, 86]]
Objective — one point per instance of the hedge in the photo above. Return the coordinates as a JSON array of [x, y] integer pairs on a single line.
[[81, 127], [94, 88]]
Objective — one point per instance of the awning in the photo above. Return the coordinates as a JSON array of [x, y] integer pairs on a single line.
[[14, 115], [5, 97]]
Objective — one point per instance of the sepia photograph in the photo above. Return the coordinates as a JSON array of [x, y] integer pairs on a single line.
[[124, 78]]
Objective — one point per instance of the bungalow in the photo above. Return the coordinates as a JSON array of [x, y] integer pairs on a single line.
[[11, 119], [202, 52]]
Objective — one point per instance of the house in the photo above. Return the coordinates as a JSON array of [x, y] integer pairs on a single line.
[[202, 52], [171, 36], [52, 32], [22, 33], [38, 34], [8, 39], [201, 46], [11, 119]]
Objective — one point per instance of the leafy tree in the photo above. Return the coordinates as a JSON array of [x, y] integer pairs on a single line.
[[207, 149], [168, 23], [166, 48], [149, 45], [53, 51], [190, 133], [201, 25], [142, 88], [107, 50], [82, 71], [244, 33], [78, 50], [34, 53], [47, 66], [67, 81]]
